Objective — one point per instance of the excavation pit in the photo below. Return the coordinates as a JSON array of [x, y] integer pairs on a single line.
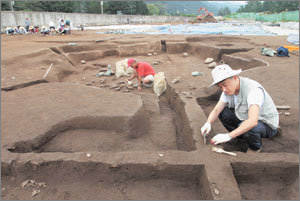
[[97, 181], [267, 181], [144, 123], [44, 125]]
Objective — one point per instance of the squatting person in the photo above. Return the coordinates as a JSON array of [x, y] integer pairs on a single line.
[[245, 109], [144, 72]]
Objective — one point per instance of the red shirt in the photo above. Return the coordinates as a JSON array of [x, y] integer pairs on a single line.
[[144, 69]]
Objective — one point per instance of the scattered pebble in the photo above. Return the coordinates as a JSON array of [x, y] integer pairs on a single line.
[[217, 192], [176, 80], [83, 78], [209, 60], [287, 114], [196, 73], [13, 77], [124, 190], [149, 54], [155, 63], [42, 184], [212, 65], [161, 154], [185, 54], [3, 191], [83, 62], [155, 53], [72, 44], [117, 89], [88, 155], [35, 192]]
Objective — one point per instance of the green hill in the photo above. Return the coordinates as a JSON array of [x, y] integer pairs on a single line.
[[191, 7]]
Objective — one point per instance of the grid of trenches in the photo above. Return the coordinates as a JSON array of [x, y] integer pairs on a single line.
[[93, 142]]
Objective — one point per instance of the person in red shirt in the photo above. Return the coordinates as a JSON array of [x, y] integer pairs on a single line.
[[144, 72]]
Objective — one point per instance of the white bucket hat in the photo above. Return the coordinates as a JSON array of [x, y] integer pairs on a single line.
[[222, 72]]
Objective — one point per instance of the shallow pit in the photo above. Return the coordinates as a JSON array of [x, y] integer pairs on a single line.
[[97, 181], [267, 181]]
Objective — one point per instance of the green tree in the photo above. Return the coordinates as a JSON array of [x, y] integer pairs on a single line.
[[157, 9], [126, 7], [5, 5], [269, 6], [224, 11]]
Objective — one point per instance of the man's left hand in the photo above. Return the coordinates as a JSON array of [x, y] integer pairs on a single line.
[[220, 138]]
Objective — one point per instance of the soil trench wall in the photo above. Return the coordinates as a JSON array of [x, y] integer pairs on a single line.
[[15, 18]]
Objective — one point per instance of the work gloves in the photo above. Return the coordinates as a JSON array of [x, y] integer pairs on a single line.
[[206, 128], [217, 139], [220, 138]]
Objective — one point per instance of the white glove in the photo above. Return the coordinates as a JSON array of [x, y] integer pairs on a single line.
[[206, 128], [129, 82], [220, 138]]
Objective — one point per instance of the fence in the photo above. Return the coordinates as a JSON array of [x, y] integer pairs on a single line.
[[291, 16]]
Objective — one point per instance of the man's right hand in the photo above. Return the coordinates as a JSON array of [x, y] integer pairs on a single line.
[[206, 128]]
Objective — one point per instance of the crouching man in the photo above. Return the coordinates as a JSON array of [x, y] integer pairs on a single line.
[[144, 73], [245, 109]]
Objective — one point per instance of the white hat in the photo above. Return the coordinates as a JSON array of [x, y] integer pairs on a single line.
[[222, 72]]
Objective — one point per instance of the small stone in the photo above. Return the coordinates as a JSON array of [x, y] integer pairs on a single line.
[[212, 65], [287, 114], [122, 82], [161, 154], [35, 192], [13, 77], [114, 86], [83, 78], [83, 62], [185, 54], [88, 155], [176, 80], [155, 53], [149, 54], [155, 63], [42, 184], [117, 89], [216, 191], [3, 191], [209, 60], [93, 81], [126, 90], [196, 73], [89, 84], [102, 81], [25, 184], [124, 190]]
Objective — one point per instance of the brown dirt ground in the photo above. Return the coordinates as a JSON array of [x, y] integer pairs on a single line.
[[26, 58]]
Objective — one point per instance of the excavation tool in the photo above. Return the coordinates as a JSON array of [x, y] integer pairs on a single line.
[[221, 151], [204, 137]]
